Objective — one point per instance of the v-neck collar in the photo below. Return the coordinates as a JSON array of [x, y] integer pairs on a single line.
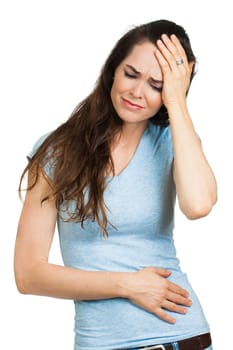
[[133, 158]]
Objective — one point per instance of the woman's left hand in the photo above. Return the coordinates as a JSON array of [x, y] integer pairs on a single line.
[[175, 68]]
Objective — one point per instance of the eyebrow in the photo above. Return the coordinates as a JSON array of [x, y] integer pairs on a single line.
[[138, 73]]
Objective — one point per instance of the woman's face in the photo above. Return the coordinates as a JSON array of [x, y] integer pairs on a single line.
[[136, 90]]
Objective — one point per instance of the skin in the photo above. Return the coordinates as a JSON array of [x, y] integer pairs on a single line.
[[136, 96], [149, 288], [137, 80]]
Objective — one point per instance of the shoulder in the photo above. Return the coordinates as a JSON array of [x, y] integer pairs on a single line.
[[160, 140], [159, 133], [37, 145], [46, 159]]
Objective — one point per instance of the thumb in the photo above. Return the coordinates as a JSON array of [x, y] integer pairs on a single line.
[[162, 272]]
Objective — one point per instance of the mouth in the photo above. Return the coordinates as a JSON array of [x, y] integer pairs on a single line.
[[131, 105]]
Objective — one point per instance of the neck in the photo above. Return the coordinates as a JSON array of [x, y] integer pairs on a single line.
[[131, 132]]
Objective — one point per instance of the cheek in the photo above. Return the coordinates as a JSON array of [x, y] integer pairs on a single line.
[[116, 88], [113, 92], [119, 87], [155, 101]]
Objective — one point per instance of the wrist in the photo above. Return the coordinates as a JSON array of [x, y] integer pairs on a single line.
[[177, 108], [179, 114], [123, 283]]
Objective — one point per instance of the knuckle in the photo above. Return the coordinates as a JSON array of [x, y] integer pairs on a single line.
[[173, 307], [163, 291]]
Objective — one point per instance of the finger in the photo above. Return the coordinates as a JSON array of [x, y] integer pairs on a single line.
[[164, 316], [178, 299], [159, 271], [162, 62], [179, 47], [168, 305], [166, 55], [171, 53], [177, 289], [162, 272], [174, 46]]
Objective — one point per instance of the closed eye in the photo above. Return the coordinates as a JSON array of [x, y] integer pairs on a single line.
[[156, 84], [130, 75], [157, 88], [151, 83]]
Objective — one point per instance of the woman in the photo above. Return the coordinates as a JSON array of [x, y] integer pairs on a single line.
[[109, 177]]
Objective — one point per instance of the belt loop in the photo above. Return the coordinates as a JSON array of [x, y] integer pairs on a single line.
[[175, 346]]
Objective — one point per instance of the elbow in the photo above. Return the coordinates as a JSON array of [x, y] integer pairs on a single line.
[[199, 210], [22, 284], [197, 213], [21, 288], [25, 280], [29, 278]]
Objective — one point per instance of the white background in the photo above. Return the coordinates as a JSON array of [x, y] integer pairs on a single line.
[[51, 55]]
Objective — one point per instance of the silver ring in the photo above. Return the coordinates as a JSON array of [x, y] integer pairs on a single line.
[[179, 61]]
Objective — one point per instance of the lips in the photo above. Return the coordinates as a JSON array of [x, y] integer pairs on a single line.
[[131, 105]]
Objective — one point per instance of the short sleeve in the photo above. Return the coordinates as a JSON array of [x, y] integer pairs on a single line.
[[48, 165], [37, 145], [169, 141], [166, 143]]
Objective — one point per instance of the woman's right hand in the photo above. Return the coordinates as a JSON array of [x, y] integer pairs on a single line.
[[150, 289]]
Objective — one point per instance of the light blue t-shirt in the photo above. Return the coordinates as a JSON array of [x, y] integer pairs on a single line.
[[140, 202]]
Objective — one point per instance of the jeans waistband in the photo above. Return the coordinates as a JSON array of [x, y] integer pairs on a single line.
[[199, 342]]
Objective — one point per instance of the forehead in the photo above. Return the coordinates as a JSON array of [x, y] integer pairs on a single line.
[[142, 58]]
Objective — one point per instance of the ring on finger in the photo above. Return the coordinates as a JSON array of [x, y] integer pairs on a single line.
[[179, 61]]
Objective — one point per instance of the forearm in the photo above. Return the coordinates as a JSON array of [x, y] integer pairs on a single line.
[[147, 288], [69, 283], [194, 178]]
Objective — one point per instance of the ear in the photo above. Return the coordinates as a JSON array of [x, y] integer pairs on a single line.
[[193, 67]]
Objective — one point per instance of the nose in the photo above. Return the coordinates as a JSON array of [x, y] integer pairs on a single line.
[[137, 89]]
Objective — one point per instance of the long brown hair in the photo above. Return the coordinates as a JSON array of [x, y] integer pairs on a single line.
[[80, 147]]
